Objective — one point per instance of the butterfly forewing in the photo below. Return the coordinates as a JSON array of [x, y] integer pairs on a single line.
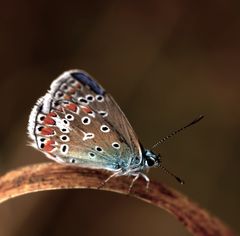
[[78, 122]]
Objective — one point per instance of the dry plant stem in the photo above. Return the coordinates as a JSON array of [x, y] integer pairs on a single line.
[[48, 176]]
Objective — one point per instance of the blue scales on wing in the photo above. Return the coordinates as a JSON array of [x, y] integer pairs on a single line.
[[77, 122]]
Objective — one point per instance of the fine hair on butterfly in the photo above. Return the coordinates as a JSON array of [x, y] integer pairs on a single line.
[[78, 123]]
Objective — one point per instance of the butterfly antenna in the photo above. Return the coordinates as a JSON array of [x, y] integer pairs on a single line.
[[196, 120], [170, 173]]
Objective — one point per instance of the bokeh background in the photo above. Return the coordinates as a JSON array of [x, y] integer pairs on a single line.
[[165, 62]]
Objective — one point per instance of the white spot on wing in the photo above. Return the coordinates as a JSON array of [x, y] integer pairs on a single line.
[[103, 113], [99, 98], [90, 98], [116, 145], [72, 160], [64, 149], [98, 149], [62, 123], [40, 118], [87, 136], [83, 101], [64, 130], [86, 120], [104, 129], [69, 117], [64, 138], [91, 154]]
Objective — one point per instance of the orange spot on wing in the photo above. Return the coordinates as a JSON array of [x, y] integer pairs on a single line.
[[52, 114], [48, 120], [47, 131], [49, 146], [72, 107], [86, 109]]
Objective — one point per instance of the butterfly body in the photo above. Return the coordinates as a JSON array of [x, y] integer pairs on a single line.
[[78, 123]]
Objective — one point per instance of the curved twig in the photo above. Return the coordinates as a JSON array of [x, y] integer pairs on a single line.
[[48, 176]]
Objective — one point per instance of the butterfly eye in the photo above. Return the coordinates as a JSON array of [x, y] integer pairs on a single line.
[[116, 145], [90, 98], [99, 98], [104, 129], [86, 120], [69, 117], [64, 138], [150, 161], [64, 148]]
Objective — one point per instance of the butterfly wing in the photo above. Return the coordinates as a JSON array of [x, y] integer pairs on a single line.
[[78, 122]]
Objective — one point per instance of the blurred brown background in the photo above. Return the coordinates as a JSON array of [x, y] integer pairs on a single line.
[[165, 62]]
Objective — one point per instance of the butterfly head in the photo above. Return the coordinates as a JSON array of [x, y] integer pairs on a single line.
[[151, 159]]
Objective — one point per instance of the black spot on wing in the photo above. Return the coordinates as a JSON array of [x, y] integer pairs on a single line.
[[87, 80]]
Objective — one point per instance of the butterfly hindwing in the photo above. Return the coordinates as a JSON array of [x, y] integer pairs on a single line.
[[78, 122]]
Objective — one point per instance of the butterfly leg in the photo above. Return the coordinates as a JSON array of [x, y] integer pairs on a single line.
[[146, 179], [106, 180], [133, 181]]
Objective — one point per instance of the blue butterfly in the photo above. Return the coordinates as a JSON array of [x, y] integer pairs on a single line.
[[78, 123]]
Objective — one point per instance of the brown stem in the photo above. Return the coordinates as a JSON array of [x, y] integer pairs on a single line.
[[48, 176]]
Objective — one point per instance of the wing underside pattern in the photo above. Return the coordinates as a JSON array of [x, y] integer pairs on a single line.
[[78, 123]]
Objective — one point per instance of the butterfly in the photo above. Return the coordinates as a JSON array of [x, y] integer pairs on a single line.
[[78, 123]]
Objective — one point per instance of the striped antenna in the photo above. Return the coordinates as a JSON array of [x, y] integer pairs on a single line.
[[196, 120], [170, 173]]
